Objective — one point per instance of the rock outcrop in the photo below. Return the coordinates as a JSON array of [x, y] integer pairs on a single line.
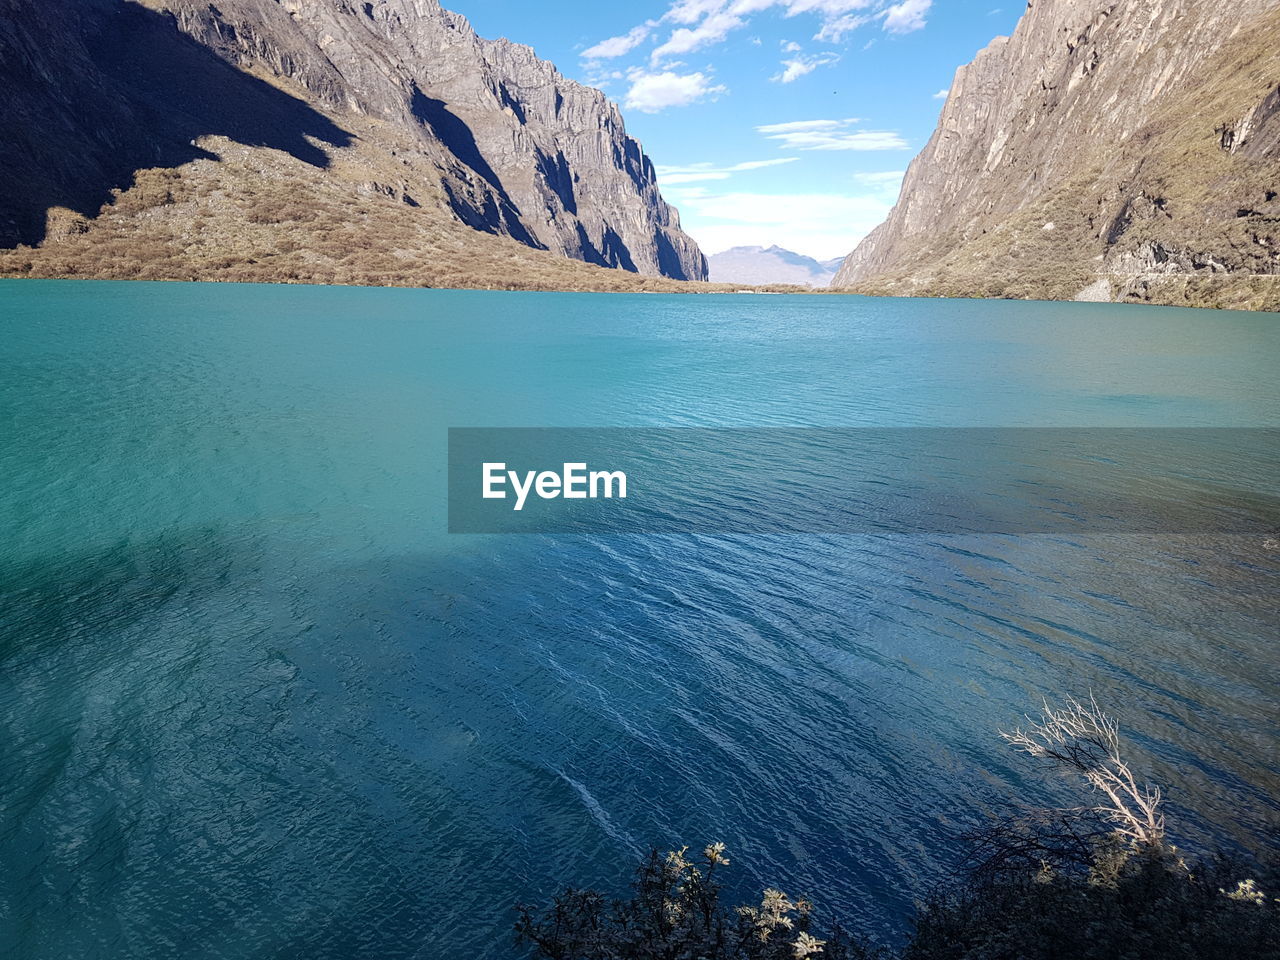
[[97, 89], [1135, 142]]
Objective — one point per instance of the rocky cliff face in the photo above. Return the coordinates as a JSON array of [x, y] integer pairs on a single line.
[[110, 86], [1133, 142]]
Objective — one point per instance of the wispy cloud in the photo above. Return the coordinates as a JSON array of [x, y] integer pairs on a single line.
[[907, 16], [691, 11], [942, 94], [794, 126], [797, 67], [712, 29], [833, 31], [702, 172], [830, 135], [651, 92], [620, 46], [698, 24]]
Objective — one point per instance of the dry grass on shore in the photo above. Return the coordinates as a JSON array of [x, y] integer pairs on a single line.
[[259, 215]]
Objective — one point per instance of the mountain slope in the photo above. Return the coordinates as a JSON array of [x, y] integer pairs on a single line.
[[1127, 148], [754, 265], [482, 131]]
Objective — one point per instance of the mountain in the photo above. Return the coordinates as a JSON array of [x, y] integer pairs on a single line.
[[758, 265], [1109, 149], [123, 119]]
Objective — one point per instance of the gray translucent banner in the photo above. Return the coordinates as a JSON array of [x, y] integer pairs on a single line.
[[860, 480]]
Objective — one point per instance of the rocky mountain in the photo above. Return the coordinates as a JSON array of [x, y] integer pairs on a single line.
[[759, 265], [394, 101], [1109, 149]]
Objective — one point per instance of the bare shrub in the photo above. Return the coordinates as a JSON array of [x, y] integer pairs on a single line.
[[1084, 740], [151, 188], [61, 222]]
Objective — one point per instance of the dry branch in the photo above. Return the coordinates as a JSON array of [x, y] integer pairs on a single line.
[[1082, 739]]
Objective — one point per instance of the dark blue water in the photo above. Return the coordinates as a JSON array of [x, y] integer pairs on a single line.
[[256, 702]]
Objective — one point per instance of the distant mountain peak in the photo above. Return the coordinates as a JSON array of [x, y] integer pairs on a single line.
[[771, 264]]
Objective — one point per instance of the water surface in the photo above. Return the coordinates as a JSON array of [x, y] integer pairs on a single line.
[[255, 701]]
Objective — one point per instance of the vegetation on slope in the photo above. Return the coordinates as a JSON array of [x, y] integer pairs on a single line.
[[373, 217], [1174, 215], [1100, 882], [92, 91]]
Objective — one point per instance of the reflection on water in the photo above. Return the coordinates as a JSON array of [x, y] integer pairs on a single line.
[[255, 702]]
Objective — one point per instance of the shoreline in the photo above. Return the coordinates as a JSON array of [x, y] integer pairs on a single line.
[[657, 285]]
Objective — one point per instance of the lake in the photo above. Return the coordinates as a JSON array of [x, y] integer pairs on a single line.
[[255, 700]]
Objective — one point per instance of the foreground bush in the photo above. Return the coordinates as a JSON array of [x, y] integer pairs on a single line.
[[1097, 882], [1128, 904], [676, 913]]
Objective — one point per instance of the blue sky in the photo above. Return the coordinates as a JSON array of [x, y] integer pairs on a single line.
[[770, 121]]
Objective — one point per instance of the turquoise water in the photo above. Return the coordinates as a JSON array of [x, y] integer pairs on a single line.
[[255, 701]]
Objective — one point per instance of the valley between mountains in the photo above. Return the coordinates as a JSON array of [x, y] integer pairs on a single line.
[[1108, 149]]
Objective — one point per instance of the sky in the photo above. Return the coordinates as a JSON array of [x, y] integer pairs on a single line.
[[785, 122]]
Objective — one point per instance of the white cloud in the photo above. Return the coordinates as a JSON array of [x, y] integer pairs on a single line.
[[652, 92], [691, 11], [798, 66], [701, 172], [820, 225], [601, 79], [703, 23], [620, 46], [829, 8], [760, 164], [797, 125], [906, 16], [790, 46], [795, 69], [711, 30], [833, 31], [942, 94], [830, 135]]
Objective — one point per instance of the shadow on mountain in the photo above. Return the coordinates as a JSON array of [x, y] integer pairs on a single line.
[[669, 263], [453, 132], [558, 178], [495, 212], [612, 251], [93, 90]]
